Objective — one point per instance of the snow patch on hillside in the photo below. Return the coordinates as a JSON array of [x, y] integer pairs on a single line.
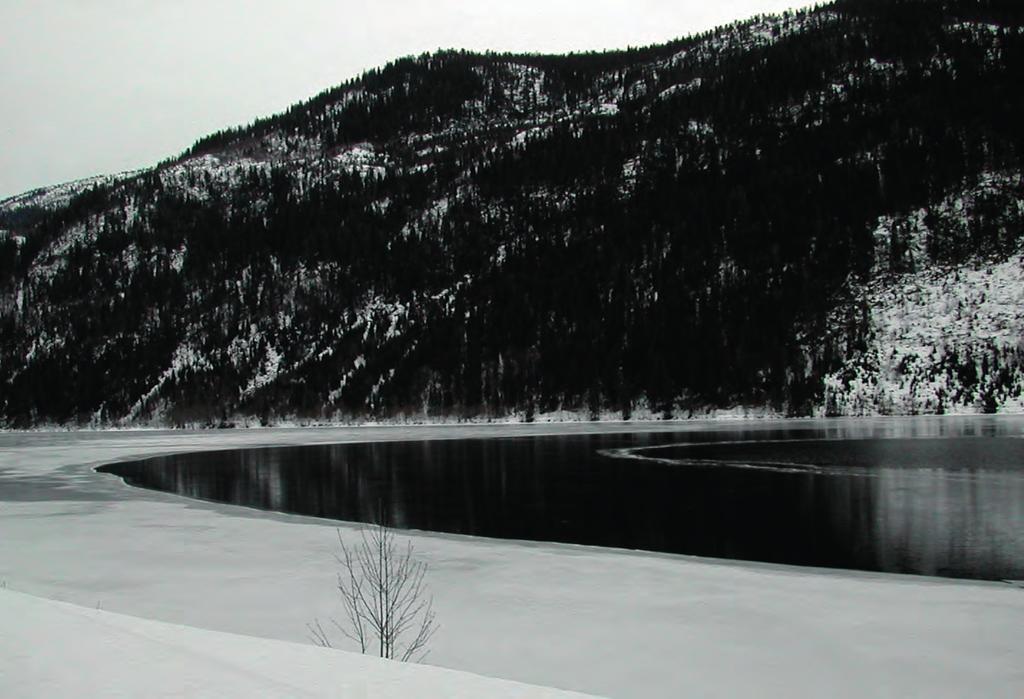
[[58, 195], [911, 241], [53, 259], [266, 373], [186, 357], [362, 158], [630, 168], [938, 341], [941, 337], [205, 177], [746, 36]]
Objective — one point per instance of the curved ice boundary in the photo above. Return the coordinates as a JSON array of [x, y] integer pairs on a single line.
[[791, 467]]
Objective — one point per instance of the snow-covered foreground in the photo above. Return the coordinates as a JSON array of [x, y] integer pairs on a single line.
[[607, 622], [61, 650]]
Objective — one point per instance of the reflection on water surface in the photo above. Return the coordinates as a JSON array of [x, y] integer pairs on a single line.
[[938, 497]]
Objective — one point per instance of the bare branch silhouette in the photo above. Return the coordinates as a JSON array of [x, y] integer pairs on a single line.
[[383, 594]]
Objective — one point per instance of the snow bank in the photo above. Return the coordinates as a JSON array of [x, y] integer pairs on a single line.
[[52, 649]]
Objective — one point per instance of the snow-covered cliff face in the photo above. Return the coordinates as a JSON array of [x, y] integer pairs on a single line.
[[817, 212], [944, 308]]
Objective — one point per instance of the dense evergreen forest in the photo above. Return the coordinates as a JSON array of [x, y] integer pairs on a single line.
[[774, 216]]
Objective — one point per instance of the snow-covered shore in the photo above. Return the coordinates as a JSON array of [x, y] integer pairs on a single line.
[[55, 649], [608, 622]]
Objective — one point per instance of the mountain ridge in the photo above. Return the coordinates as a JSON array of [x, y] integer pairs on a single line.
[[709, 225]]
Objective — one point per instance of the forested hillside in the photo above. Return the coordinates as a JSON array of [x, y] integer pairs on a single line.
[[813, 213]]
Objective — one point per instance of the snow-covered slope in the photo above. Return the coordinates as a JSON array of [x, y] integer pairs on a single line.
[[58, 195], [54, 649], [945, 328]]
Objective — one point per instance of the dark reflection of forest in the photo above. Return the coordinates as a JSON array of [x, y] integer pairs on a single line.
[[939, 502]]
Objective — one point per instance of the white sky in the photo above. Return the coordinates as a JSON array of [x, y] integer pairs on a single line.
[[100, 86]]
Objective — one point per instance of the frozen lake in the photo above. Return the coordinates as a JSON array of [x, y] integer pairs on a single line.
[[600, 620], [928, 497]]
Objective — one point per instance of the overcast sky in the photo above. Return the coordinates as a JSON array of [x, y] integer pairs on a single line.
[[100, 86]]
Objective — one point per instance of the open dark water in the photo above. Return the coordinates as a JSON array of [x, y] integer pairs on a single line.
[[943, 501]]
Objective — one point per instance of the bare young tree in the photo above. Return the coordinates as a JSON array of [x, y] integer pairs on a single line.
[[388, 609]]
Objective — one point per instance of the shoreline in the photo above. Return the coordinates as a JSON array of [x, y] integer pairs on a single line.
[[640, 423]]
